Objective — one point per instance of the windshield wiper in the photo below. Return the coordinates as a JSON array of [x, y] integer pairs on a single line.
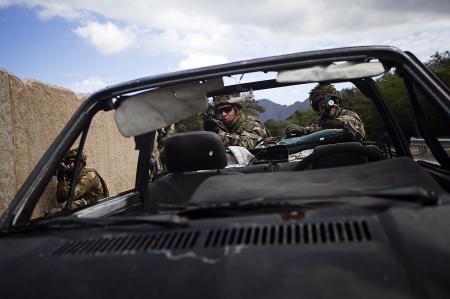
[[417, 195], [280, 203], [253, 206], [70, 222]]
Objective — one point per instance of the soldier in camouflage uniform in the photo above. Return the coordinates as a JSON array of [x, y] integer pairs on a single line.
[[90, 186], [234, 127], [326, 100], [157, 159]]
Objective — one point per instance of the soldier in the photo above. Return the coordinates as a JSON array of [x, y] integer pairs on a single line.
[[90, 186], [157, 160], [234, 127], [326, 100]]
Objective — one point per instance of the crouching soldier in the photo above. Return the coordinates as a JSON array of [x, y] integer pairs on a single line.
[[90, 186], [327, 101]]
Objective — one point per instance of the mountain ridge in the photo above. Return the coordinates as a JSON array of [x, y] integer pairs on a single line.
[[279, 112]]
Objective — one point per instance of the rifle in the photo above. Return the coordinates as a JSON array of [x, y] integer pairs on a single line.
[[61, 171], [328, 104], [64, 173], [210, 121]]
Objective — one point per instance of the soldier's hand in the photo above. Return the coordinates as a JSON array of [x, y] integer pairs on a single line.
[[53, 212], [78, 204], [295, 130], [211, 124]]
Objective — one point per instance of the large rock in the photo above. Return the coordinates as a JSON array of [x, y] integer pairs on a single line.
[[8, 183], [32, 114]]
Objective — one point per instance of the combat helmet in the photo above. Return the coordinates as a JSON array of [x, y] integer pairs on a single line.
[[223, 100], [72, 155], [320, 91]]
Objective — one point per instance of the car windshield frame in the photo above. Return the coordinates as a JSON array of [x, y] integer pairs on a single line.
[[107, 99]]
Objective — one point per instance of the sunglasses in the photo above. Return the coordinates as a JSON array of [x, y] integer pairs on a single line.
[[226, 109]]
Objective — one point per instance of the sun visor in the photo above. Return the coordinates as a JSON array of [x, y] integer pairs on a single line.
[[155, 109], [334, 71]]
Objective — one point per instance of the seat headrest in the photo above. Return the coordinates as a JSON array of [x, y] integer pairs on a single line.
[[192, 151]]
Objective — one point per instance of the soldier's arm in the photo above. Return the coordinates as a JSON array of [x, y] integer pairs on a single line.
[[353, 119], [89, 183], [248, 138], [237, 139], [358, 124], [62, 189], [313, 128], [85, 183]]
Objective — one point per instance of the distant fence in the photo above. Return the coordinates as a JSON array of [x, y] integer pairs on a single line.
[[421, 151]]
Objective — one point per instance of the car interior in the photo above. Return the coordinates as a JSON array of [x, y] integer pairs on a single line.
[[194, 159], [324, 215], [188, 168]]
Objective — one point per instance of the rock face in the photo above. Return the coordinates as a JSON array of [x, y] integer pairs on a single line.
[[32, 114], [8, 183]]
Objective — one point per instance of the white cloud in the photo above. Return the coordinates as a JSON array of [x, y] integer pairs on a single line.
[[89, 85], [244, 29], [200, 60], [4, 3], [193, 33], [50, 10], [108, 38], [200, 32]]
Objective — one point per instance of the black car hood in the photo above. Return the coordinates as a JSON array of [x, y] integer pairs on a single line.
[[400, 253]]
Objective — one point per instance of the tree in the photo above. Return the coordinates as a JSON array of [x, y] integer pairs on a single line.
[[439, 64], [397, 98], [251, 107], [276, 127], [356, 101], [192, 123], [302, 118], [438, 61]]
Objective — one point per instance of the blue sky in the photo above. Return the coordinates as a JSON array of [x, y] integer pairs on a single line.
[[85, 45], [49, 50]]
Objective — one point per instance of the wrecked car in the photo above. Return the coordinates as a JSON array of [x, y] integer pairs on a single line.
[[327, 216]]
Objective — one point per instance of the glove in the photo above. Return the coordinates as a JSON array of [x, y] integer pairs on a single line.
[[211, 124], [79, 203], [294, 130]]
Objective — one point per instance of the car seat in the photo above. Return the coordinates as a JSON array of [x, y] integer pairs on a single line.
[[190, 159], [340, 154]]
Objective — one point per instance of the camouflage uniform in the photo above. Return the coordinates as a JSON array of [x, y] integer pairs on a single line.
[[158, 151], [243, 130], [89, 189], [339, 120]]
